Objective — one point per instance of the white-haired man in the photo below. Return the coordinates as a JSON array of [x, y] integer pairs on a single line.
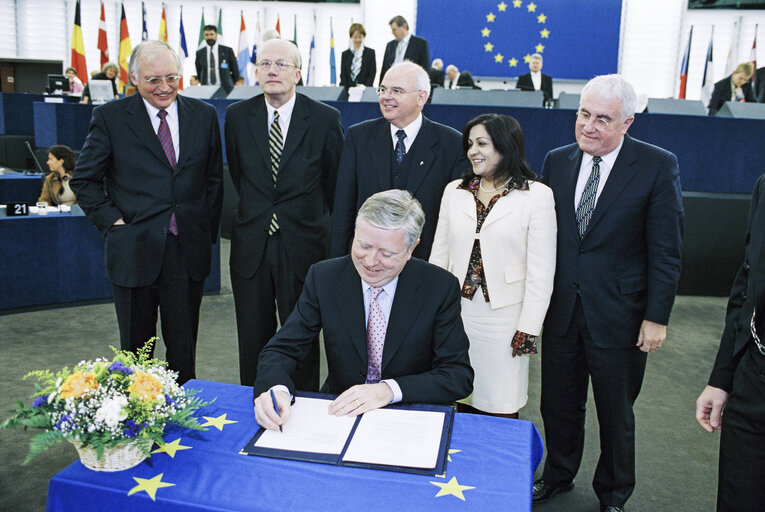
[[620, 226], [535, 80]]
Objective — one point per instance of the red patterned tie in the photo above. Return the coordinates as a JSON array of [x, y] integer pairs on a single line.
[[167, 145], [376, 327]]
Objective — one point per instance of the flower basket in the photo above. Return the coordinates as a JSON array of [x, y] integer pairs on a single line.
[[123, 456]]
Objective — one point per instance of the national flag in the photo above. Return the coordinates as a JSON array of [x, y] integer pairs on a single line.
[[684, 66], [103, 43], [753, 54], [220, 25], [78, 49], [732, 62], [254, 57], [243, 57], [278, 28], [183, 53], [163, 26], [332, 72], [125, 50], [311, 77], [144, 31], [294, 33], [201, 31], [708, 82]]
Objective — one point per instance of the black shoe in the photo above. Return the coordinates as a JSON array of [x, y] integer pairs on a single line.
[[542, 491], [604, 508]]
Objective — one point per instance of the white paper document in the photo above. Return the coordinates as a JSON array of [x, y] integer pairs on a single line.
[[310, 429], [397, 437]]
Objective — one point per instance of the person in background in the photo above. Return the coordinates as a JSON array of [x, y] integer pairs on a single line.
[[108, 72], [357, 63], [735, 87], [461, 80], [215, 63], [193, 80], [404, 46], [535, 80], [75, 84], [496, 234], [56, 189], [436, 73]]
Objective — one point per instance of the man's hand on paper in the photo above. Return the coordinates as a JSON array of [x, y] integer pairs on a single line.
[[360, 399], [265, 414]]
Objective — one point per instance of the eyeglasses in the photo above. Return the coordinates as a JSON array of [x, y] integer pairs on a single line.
[[157, 80], [600, 123], [281, 65], [396, 92]]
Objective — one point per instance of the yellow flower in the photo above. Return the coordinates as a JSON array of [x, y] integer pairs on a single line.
[[145, 386], [77, 384]]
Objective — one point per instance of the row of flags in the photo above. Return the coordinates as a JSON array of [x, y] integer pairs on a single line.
[[708, 81], [246, 56]]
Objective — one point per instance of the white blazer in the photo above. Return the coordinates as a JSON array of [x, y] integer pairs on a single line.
[[518, 243]]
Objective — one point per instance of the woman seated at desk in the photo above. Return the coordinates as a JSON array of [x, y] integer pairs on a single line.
[[56, 190], [75, 84], [109, 72], [497, 234]]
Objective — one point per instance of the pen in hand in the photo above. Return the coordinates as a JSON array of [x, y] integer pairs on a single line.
[[276, 407]]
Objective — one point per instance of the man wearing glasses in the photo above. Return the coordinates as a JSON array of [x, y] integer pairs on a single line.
[[158, 158], [620, 227], [283, 150], [403, 149]]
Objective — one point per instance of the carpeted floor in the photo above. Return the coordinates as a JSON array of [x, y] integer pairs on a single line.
[[676, 459]]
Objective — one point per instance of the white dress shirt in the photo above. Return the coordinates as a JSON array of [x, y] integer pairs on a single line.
[[385, 300], [536, 79], [606, 164], [401, 49], [215, 49], [412, 129], [172, 123], [285, 114]]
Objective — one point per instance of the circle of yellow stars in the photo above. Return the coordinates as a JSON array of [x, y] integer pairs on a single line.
[[531, 7]]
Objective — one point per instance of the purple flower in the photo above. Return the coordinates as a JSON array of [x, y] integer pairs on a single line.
[[40, 401], [128, 433], [118, 366], [170, 400]]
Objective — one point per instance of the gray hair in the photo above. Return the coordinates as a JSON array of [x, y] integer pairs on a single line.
[[437, 63], [148, 50], [422, 79], [537, 56], [400, 21], [613, 87], [295, 57], [271, 33], [394, 209], [452, 67]]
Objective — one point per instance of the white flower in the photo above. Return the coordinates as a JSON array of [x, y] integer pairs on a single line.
[[112, 411]]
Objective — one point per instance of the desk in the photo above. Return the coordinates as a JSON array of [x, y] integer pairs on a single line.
[[17, 187], [56, 258], [496, 460]]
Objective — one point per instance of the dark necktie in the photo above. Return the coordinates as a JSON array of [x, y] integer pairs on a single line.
[[376, 327], [275, 146], [589, 194], [400, 147], [213, 78], [166, 139]]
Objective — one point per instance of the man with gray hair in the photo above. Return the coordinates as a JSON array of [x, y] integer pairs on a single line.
[[158, 156], [404, 47], [392, 326], [403, 149], [535, 80], [620, 228]]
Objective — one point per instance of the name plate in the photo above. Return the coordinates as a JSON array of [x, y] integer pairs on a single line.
[[16, 209]]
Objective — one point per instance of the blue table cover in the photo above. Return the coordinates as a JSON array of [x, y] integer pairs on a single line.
[[17, 187], [491, 467]]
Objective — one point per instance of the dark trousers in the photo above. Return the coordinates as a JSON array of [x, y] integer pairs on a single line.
[[256, 299], [741, 485], [178, 298], [568, 363]]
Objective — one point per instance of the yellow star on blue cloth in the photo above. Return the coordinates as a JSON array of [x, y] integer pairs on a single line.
[[513, 62], [545, 34], [488, 47], [502, 7], [531, 7], [452, 487], [490, 17], [149, 485], [541, 18], [448, 455], [517, 3], [539, 48], [498, 57], [171, 448], [527, 58], [485, 32], [217, 422]]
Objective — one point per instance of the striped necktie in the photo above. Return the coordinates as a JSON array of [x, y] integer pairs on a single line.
[[166, 139], [589, 194], [275, 146]]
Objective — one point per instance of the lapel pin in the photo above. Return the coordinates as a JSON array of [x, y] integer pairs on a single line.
[[421, 162]]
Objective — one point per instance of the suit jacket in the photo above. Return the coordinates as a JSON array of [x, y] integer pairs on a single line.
[[759, 84], [747, 292], [366, 75], [305, 188], [627, 264], [526, 84], [228, 67], [122, 152], [437, 77], [365, 165], [416, 51], [722, 92], [425, 351], [517, 248], [465, 79]]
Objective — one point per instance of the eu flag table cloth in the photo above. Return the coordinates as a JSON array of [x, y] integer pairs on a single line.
[[491, 467]]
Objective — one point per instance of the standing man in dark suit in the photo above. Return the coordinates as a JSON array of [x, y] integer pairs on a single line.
[[283, 149], [392, 326], [734, 399], [216, 64], [403, 149], [535, 80], [404, 46], [620, 228], [158, 157]]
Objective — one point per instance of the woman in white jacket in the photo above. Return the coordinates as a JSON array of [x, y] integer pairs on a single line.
[[496, 233]]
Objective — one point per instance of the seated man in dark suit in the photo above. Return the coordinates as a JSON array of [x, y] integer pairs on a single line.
[[456, 79], [535, 80], [759, 85], [735, 87], [436, 73], [392, 326], [404, 46]]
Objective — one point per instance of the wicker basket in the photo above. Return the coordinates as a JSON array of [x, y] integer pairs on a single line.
[[124, 456]]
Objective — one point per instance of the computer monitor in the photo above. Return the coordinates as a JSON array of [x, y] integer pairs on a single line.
[[58, 84]]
